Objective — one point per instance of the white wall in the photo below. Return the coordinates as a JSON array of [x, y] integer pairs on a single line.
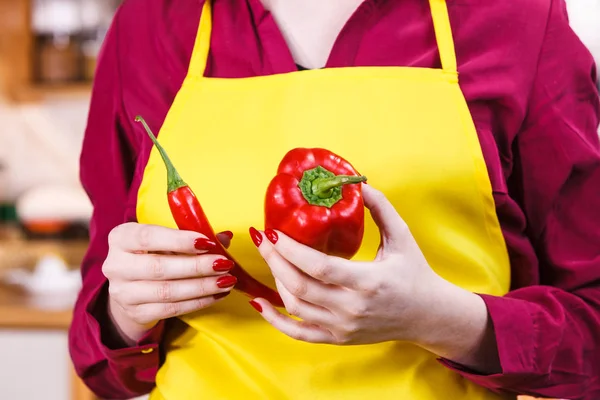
[[34, 365], [41, 143], [584, 16]]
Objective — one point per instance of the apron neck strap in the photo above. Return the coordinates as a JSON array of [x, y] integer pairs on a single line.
[[439, 14], [202, 47], [443, 34]]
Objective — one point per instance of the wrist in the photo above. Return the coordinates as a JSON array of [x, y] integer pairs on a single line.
[[124, 329], [457, 327]]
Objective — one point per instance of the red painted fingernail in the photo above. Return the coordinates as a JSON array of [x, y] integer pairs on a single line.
[[256, 306], [256, 236], [222, 265], [204, 244], [229, 234], [272, 236], [221, 295], [226, 281]]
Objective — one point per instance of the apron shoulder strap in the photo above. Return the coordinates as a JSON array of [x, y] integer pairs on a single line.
[[201, 50], [443, 34], [439, 14]]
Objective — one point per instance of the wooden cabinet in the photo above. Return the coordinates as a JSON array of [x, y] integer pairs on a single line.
[[19, 56], [15, 46]]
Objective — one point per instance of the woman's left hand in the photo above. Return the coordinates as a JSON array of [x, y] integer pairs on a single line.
[[345, 302]]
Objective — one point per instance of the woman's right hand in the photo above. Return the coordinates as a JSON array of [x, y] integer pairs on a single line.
[[155, 273]]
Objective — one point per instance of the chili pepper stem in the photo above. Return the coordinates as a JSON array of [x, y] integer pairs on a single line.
[[321, 187], [174, 180]]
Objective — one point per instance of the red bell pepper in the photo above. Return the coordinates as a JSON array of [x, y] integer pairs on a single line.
[[189, 215], [315, 199]]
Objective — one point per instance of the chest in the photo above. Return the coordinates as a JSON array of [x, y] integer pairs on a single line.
[[311, 27]]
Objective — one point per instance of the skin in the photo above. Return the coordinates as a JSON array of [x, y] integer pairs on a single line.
[[396, 297], [310, 27], [166, 276]]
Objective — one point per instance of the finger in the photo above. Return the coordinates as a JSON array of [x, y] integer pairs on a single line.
[[298, 283], [225, 238], [324, 268], [144, 292], [394, 230], [308, 312], [133, 237], [158, 267], [160, 311], [299, 330]]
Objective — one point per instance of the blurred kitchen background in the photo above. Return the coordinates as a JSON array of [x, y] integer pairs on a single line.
[[48, 52]]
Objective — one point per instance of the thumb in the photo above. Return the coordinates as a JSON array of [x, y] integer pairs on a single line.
[[392, 227]]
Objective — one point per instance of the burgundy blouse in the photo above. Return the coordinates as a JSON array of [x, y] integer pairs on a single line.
[[529, 83]]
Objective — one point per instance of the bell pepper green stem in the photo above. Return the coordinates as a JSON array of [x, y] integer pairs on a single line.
[[321, 187], [174, 180]]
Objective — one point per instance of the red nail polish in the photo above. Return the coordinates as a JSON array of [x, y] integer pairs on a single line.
[[219, 296], [229, 234], [226, 281], [204, 244], [256, 306], [256, 237], [222, 265], [272, 236]]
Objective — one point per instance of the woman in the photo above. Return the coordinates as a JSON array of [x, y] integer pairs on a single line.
[[476, 125]]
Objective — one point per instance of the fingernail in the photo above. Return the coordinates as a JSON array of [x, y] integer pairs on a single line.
[[272, 236], [204, 244], [221, 295], [222, 265], [226, 281], [229, 234], [256, 236], [256, 306]]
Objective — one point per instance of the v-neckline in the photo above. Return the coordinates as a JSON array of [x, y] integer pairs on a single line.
[[303, 68], [280, 46]]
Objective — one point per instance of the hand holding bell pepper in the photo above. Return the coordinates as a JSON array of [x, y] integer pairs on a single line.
[[188, 215], [316, 199]]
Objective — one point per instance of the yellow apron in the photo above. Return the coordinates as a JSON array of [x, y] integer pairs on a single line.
[[409, 130]]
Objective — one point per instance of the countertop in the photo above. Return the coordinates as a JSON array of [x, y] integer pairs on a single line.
[[18, 309]]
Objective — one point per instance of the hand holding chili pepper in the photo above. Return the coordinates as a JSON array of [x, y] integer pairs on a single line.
[[396, 297], [155, 273], [189, 215]]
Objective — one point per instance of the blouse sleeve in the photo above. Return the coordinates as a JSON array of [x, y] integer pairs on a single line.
[[109, 368], [548, 336]]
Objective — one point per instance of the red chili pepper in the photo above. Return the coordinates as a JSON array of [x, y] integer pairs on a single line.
[[188, 215], [314, 199]]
